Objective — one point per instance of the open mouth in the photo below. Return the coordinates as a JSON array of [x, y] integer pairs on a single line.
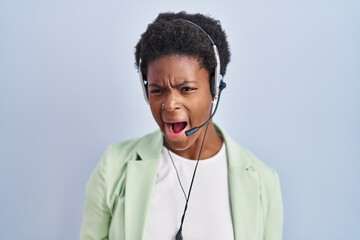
[[177, 127]]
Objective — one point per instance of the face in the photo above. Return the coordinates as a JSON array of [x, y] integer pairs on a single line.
[[180, 99]]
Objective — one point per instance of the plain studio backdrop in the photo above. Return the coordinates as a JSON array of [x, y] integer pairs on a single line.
[[69, 88]]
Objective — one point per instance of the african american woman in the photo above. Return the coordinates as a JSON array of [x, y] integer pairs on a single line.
[[188, 180]]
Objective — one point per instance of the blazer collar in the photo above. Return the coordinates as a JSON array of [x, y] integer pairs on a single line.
[[140, 182], [149, 147], [244, 187]]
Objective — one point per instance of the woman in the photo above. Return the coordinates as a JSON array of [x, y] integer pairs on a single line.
[[188, 180]]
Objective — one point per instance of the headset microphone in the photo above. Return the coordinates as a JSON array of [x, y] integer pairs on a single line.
[[195, 129]]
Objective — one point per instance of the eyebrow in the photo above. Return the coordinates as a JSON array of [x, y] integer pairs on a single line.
[[176, 85]]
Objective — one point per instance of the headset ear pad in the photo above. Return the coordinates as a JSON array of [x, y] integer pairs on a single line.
[[145, 89], [212, 85]]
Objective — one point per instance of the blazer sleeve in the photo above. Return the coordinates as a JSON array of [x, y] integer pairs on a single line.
[[274, 221], [96, 213]]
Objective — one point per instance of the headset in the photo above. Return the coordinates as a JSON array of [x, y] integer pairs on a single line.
[[216, 82]]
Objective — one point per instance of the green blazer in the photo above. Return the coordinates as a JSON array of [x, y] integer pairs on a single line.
[[118, 194]]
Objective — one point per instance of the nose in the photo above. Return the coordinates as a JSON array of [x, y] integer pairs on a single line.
[[171, 102]]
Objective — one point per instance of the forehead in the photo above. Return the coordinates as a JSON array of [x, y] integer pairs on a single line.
[[176, 67]]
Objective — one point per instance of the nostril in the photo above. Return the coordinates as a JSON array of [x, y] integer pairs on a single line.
[[170, 107]]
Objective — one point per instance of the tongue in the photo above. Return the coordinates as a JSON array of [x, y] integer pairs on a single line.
[[178, 127]]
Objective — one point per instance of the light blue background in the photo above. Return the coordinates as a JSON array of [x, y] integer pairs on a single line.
[[69, 88]]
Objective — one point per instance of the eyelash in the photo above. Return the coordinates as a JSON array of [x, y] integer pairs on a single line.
[[156, 91], [187, 89]]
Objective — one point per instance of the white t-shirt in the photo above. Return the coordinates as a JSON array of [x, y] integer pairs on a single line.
[[208, 215]]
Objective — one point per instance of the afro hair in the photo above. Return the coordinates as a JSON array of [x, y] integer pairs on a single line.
[[169, 34]]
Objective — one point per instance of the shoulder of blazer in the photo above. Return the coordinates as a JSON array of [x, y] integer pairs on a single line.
[[117, 155], [109, 176], [240, 157], [243, 160]]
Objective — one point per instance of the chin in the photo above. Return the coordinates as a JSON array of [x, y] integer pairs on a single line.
[[177, 145]]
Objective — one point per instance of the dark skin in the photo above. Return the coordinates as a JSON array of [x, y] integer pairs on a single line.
[[180, 99]]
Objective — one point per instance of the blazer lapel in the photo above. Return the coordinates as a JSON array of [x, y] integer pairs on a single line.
[[140, 181], [244, 192]]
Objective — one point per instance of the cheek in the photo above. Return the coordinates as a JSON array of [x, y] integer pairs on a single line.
[[201, 108], [156, 112]]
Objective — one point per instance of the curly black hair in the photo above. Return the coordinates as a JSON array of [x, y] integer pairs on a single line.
[[168, 35]]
